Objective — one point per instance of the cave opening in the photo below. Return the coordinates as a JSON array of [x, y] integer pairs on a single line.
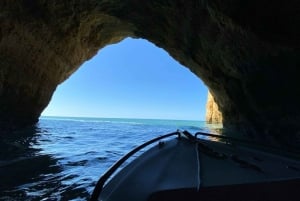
[[131, 79]]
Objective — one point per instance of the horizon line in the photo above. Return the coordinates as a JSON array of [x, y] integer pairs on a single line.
[[142, 118]]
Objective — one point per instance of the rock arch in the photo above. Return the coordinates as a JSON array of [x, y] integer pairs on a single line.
[[246, 53]]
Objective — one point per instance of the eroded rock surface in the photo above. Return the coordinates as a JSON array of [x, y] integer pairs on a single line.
[[213, 114], [247, 53]]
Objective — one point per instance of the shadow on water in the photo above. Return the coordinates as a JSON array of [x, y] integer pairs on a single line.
[[28, 174]]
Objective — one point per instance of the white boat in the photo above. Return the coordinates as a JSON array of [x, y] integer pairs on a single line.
[[187, 167]]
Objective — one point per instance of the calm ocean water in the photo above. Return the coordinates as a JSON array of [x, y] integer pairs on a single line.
[[62, 158]]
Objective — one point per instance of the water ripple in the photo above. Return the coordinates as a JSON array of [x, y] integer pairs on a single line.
[[61, 159]]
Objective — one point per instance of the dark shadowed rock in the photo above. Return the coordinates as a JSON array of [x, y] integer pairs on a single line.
[[247, 53]]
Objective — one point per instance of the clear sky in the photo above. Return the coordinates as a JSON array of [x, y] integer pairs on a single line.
[[131, 79]]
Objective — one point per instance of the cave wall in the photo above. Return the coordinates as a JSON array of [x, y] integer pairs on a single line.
[[246, 52], [41, 44]]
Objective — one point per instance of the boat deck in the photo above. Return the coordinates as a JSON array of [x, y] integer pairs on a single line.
[[185, 169]]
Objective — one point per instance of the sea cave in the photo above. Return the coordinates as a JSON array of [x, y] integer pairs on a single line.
[[247, 53]]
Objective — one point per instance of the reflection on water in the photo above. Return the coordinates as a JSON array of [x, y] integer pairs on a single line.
[[28, 174], [62, 159]]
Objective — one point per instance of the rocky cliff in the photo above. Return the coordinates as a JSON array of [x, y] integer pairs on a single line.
[[213, 114], [246, 52]]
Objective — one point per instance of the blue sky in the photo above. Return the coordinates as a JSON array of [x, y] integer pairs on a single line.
[[131, 79]]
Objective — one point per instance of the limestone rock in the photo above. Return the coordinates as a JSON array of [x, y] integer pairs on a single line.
[[247, 53], [213, 114]]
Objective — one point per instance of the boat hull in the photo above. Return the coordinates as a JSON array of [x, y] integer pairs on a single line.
[[184, 169]]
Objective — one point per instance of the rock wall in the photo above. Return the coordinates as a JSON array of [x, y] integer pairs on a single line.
[[213, 114], [247, 53], [41, 45]]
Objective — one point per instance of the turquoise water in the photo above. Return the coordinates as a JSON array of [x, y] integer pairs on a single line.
[[61, 158]]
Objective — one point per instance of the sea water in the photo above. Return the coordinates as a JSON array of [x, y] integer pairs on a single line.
[[61, 158]]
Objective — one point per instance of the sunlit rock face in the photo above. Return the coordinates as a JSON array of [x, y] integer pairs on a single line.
[[213, 114], [247, 53]]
